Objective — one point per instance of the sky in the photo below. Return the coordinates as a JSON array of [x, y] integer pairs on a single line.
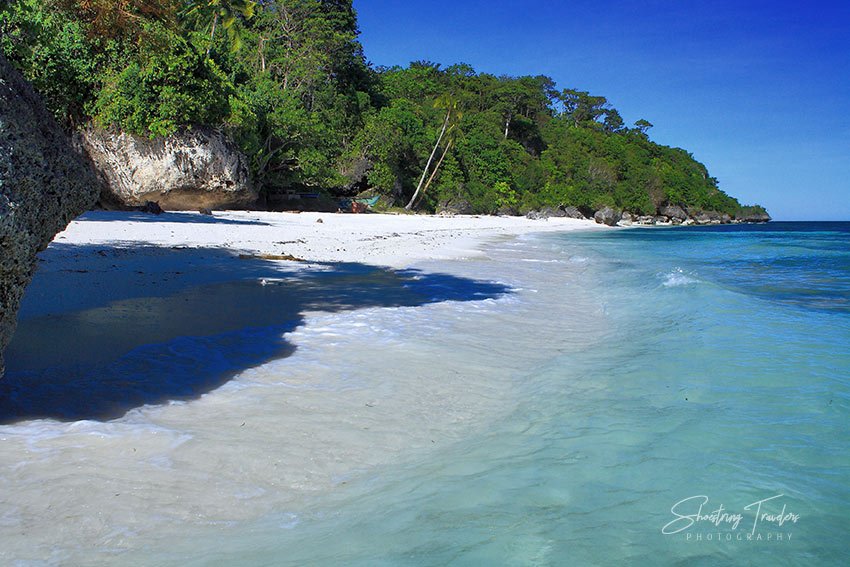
[[758, 91]]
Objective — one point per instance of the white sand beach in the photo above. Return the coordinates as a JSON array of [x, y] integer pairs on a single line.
[[167, 377], [104, 256]]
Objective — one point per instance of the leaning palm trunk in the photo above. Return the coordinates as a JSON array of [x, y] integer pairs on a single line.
[[430, 159], [212, 34], [433, 173]]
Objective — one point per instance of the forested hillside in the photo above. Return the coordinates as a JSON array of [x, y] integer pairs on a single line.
[[289, 82]]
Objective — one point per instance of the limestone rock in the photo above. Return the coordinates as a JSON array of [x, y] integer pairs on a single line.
[[45, 182], [197, 168], [607, 215], [573, 213], [507, 211], [455, 207], [674, 212], [756, 217], [545, 213]]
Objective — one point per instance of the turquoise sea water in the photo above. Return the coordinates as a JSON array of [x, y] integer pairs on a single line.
[[629, 377], [662, 369]]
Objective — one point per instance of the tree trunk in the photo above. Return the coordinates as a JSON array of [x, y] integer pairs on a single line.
[[212, 34], [430, 159], [507, 124], [433, 173]]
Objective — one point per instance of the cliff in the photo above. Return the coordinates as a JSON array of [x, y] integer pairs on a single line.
[[44, 183]]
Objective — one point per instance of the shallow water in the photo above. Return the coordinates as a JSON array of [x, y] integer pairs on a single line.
[[558, 423]]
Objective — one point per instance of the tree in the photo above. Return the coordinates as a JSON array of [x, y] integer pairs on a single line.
[[613, 121], [450, 103], [207, 13], [583, 109], [116, 18], [642, 126]]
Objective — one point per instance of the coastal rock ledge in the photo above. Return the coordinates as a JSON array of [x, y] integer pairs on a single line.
[[197, 168], [44, 184]]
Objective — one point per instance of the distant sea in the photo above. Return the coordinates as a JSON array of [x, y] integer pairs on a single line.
[[646, 396]]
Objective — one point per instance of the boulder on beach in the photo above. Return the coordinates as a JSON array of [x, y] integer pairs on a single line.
[[573, 213], [45, 182], [546, 212], [606, 215], [199, 167], [455, 207]]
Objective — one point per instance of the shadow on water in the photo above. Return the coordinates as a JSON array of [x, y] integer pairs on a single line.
[[103, 361]]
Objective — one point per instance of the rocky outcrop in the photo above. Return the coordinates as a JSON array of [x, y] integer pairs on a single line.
[[573, 213], [545, 213], [674, 215], [507, 211], [356, 173], [606, 215], [755, 217], [197, 168], [44, 183], [673, 212], [455, 207]]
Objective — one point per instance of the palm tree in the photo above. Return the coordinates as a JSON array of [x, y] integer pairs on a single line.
[[450, 102], [209, 12]]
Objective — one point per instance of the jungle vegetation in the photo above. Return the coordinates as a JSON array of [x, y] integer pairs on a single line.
[[289, 81]]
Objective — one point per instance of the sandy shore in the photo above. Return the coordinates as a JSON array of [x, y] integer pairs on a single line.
[[138, 274], [387, 240], [166, 379], [107, 256]]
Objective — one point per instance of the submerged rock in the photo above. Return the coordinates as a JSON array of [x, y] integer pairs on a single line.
[[44, 183], [197, 168]]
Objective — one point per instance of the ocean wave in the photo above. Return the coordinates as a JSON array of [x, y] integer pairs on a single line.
[[678, 277]]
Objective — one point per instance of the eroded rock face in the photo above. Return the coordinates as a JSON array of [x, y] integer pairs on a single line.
[[674, 212], [197, 168], [756, 217], [44, 183]]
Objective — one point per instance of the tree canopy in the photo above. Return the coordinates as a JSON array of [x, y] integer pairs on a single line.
[[289, 82]]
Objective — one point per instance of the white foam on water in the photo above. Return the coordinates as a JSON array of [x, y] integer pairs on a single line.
[[363, 388], [678, 277]]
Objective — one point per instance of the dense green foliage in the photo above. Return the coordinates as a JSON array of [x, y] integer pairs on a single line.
[[288, 80]]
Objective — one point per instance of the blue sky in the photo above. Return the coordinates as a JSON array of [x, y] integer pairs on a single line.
[[758, 91]]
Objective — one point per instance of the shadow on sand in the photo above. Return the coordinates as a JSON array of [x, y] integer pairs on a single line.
[[170, 216], [103, 361]]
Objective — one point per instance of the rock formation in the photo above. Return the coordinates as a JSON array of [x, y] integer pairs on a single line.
[[755, 217], [197, 168], [545, 213], [573, 213], [44, 183], [457, 206], [673, 212], [607, 215]]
